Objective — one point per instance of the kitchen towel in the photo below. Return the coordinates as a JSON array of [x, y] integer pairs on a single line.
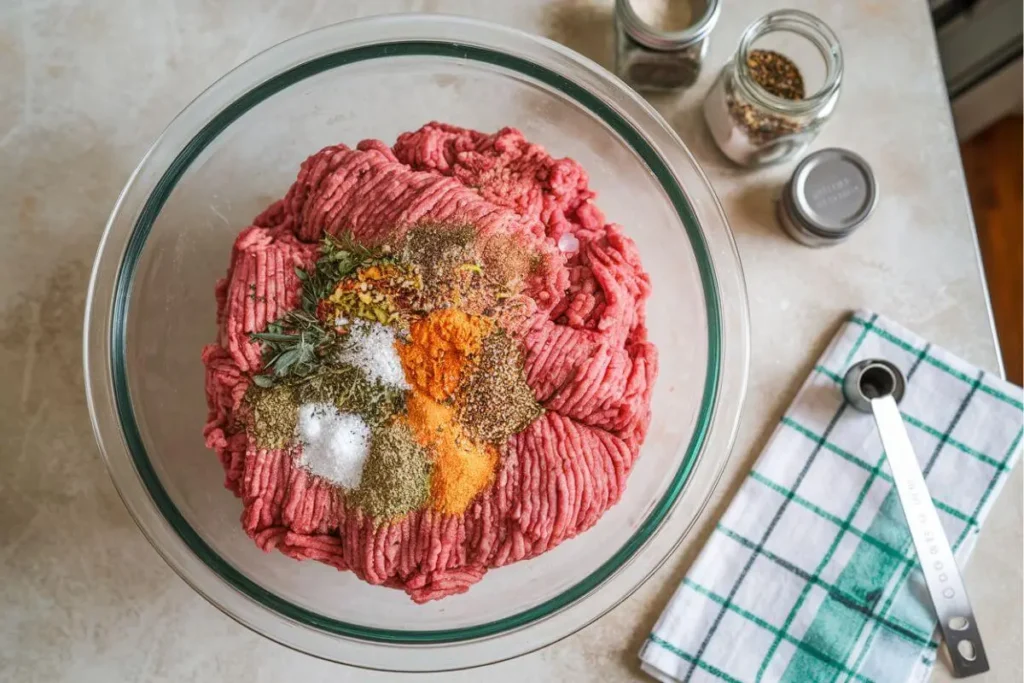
[[811, 574]]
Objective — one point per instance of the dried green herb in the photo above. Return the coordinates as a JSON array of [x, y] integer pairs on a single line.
[[274, 410], [396, 476], [350, 391], [304, 351], [339, 257], [274, 415]]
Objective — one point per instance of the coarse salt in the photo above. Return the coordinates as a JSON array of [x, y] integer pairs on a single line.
[[568, 243], [334, 444], [373, 351]]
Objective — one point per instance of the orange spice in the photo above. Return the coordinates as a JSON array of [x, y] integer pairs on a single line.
[[441, 345], [461, 467]]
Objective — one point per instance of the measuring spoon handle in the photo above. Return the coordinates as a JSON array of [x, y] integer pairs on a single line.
[[941, 574]]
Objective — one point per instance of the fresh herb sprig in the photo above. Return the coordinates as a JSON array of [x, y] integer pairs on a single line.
[[339, 257], [298, 343], [294, 345]]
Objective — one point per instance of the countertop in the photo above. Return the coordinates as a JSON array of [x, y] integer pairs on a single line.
[[87, 86]]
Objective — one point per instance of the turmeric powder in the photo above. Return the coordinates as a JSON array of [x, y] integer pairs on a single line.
[[461, 467], [441, 346], [441, 351]]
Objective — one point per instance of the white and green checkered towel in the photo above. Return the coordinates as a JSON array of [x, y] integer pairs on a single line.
[[811, 574]]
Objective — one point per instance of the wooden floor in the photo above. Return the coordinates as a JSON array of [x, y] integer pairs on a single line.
[[993, 162]]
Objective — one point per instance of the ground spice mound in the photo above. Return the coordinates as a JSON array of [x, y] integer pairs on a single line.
[[577, 323], [272, 415], [438, 250], [462, 468], [396, 476], [497, 402], [442, 346]]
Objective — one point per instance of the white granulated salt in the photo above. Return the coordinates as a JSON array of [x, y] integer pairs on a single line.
[[372, 350], [334, 444], [568, 243]]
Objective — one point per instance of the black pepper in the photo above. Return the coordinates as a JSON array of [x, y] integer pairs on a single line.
[[496, 400]]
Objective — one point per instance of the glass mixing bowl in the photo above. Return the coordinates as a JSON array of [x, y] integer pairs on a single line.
[[235, 149]]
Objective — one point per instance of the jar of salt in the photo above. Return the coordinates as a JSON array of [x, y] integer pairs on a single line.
[[778, 90], [660, 44]]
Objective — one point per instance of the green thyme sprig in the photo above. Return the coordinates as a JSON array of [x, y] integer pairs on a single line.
[[295, 345], [339, 257]]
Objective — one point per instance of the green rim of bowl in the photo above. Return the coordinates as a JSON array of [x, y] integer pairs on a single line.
[[217, 125]]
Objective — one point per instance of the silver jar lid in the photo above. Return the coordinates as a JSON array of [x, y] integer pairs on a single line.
[[831, 193], [704, 16]]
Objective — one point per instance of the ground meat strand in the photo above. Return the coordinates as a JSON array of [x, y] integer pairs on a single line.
[[585, 349]]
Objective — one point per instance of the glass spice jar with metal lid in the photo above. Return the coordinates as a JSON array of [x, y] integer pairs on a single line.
[[660, 44], [779, 89]]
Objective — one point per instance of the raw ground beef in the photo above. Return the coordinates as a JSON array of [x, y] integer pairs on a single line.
[[587, 357]]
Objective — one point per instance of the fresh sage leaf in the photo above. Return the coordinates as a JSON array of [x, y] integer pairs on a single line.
[[263, 381]]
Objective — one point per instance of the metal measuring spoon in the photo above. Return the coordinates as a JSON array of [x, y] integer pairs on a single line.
[[877, 386]]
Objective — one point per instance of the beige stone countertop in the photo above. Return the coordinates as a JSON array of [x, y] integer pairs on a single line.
[[86, 88]]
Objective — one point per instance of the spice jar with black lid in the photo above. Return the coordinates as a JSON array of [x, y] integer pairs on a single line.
[[778, 90], [660, 44]]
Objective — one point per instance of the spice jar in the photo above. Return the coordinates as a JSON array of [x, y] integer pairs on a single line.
[[832, 192], [660, 44], [778, 90]]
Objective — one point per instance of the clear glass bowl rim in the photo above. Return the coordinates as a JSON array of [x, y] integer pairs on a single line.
[[125, 235]]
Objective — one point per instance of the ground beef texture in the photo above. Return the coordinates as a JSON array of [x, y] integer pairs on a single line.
[[585, 347]]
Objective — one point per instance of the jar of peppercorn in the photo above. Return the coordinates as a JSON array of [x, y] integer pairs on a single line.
[[779, 89]]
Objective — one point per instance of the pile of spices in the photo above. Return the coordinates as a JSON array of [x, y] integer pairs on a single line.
[[496, 401], [372, 349], [462, 468], [440, 348], [506, 262], [348, 389], [454, 268], [334, 444], [299, 343], [272, 415], [382, 293], [396, 476], [438, 251], [395, 375], [758, 127], [776, 73]]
